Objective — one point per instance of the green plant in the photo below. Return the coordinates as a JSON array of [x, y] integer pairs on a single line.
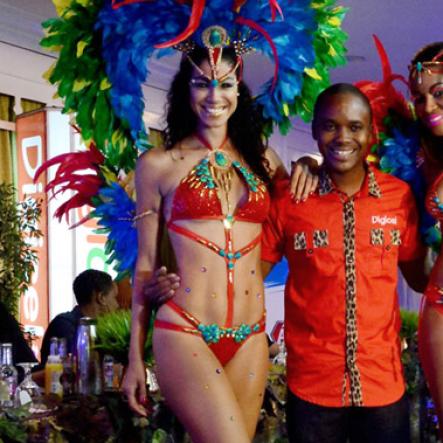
[[18, 228], [114, 333]]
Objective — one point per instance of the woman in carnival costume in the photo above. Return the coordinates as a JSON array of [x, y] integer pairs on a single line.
[[426, 85], [208, 187]]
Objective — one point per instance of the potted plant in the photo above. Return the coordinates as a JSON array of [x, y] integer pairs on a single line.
[[18, 223]]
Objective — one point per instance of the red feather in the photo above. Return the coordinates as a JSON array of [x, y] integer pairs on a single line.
[[119, 3], [194, 22], [253, 25], [274, 8], [68, 178], [383, 95]]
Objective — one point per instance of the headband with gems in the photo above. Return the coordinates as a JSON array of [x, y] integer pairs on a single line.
[[214, 39], [433, 66]]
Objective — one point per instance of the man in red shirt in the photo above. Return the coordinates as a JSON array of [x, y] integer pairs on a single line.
[[342, 317]]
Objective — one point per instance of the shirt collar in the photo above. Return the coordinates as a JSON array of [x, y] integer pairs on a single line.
[[326, 185]]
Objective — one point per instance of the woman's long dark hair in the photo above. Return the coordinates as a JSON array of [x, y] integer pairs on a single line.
[[432, 145], [245, 126]]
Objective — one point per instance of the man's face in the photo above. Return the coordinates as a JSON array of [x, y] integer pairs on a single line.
[[110, 299], [342, 128]]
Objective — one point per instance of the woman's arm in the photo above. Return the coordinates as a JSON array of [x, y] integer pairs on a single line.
[[148, 176], [304, 178], [304, 174], [276, 166]]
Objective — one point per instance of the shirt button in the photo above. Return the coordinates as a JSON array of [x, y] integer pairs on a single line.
[[388, 248], [310, 251]]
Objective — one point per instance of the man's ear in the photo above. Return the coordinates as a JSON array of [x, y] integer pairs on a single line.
[[313, 130], [100, 298]]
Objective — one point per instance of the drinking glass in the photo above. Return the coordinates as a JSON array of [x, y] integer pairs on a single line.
[[28, 391]]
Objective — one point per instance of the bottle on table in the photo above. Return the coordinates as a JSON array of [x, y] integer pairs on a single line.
[[8, 376], [53, 369], [108, 373], [68, 376], [89, 380]]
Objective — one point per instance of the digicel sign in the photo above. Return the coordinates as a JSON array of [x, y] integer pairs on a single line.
[[31, 153]]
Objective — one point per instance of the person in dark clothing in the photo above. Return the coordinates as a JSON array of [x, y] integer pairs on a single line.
[[11, 332], [95, 293]]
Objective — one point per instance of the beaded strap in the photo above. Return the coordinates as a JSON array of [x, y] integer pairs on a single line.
[[213, 333], [434, 294], [433, 202]]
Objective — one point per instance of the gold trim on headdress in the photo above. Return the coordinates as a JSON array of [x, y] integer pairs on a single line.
[[215, 38], [433, 66]]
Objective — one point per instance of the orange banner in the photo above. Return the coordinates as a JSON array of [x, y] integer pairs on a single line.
[[31, 153]]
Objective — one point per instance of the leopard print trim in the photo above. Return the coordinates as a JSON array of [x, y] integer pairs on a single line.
[[377, 237], [326, 185], [373, 187], [321, 238], [395, 237], [355, 389], [300, 241]]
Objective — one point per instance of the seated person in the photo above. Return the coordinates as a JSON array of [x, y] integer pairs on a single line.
[[95, 293], [11, 332]]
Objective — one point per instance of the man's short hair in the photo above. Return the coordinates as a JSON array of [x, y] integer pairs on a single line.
[[336, 89], [88, 282]]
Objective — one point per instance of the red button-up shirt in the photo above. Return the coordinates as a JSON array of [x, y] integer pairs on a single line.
[[342, 316]]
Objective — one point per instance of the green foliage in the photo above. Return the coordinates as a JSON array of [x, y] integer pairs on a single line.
[[80, 76], [12, 431], [114, 333], [409, 356], [409, 324], [18, 226]]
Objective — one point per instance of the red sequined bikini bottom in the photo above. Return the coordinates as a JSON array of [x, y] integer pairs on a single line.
[[224, 342]]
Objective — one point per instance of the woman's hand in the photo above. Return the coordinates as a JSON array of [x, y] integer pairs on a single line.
[[160, 287], [134, 387], [304, 178]]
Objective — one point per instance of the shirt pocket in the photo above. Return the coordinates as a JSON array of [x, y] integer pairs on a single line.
[[311, 239], [382, 253], [311, 251]]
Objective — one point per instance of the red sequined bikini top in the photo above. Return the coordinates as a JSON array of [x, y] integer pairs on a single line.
[[196, 196]]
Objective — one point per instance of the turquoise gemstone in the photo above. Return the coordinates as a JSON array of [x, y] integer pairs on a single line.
[[215, 38], [221, 159], [214, 83], [419, 66], [237, 255], [230, 265], [222, 252], [230, 255]]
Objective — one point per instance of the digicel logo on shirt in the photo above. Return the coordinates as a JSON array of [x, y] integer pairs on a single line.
[[384, 220]]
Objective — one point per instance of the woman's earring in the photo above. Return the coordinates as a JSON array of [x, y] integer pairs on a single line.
[[238, 94]]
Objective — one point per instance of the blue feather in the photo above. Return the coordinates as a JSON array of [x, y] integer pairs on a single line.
[[115, 213]]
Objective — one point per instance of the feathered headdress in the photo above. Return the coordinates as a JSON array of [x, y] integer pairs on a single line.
[[104, 51], [397, 147]]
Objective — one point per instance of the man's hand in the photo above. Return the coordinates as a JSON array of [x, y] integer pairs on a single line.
[[161, 287], [304, 178]]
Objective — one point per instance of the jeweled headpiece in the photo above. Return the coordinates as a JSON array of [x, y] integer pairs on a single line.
[[433, 66], [215, 38]]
